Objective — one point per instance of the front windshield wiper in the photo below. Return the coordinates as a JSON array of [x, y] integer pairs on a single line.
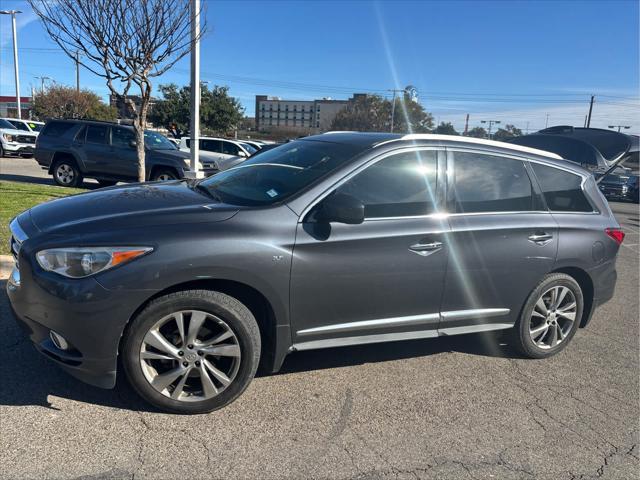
[[209, 193]]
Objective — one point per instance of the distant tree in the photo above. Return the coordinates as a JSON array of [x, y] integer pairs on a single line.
[[219, 112], [509, 131], [59, 101], [372, 113], [127, 42], [477, 132], [446, 129], [411, 117]]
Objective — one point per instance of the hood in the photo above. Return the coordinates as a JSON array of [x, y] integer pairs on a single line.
[[130, 206], [169, 154], [13, 131]]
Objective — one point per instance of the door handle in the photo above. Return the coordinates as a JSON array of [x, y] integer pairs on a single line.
[[425, 249], [540, 238]]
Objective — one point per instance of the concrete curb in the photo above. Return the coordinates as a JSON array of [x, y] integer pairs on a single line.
[[6, 265]]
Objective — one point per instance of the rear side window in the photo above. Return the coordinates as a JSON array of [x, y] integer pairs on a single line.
[[96, 134], [210, 146], [562, 190], [490, 183], [398, 186], [56, 129]]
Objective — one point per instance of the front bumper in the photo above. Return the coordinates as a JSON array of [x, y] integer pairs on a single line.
[[19, 148], [90, 317]]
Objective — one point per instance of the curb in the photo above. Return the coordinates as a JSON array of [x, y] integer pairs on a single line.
[[6, 265]]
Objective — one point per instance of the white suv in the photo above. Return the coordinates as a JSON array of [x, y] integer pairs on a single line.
[[30, 126], [219, 153], [15, 142]]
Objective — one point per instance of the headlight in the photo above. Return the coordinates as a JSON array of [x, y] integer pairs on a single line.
[[82, 262], [8, 138]]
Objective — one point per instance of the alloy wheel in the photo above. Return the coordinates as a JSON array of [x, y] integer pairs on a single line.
[[65, 174], [163, 177], [190, 355], [553, 317]]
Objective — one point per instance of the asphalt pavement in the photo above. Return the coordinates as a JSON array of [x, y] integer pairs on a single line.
[[455, 408]]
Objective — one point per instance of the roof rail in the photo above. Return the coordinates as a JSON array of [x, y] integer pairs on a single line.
[[480, 141]]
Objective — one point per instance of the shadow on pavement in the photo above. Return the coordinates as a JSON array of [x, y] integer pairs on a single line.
[[41, 181], [29, 378]]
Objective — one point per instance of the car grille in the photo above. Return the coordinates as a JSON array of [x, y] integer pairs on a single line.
[[25, 139], [18, 236]]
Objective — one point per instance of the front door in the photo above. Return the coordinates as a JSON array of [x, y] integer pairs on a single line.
[[502, 241], [379, 280], [124, 159]]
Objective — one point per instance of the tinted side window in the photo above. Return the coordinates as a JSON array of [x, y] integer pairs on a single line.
[[210, 145], [562, 190], [489, 183], [397, 186], [229, 148], [121, 137], [56, 129], [96, 134]]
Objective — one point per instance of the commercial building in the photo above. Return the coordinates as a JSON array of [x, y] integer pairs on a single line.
[[123, 108], [9, 107], [305, 116]]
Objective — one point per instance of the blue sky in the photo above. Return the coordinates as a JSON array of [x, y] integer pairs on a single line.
[[513, 61]]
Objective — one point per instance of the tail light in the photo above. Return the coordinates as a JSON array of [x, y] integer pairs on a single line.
[[616, 233]]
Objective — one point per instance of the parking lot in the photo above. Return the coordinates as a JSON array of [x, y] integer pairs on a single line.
[[460, 408]]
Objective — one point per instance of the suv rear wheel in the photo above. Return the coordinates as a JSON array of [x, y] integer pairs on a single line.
[[192, 352], [66, 173], [550, 317]]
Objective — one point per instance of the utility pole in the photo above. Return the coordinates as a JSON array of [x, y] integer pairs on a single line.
[[42, 80], [466, 126], [620, 127], [194, 133], [590, 110], [393, 106], [546, 122], [491, 123], [77, 71], [526, 130], [15, 56]]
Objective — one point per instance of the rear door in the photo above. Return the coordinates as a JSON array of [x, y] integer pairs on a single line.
[[502, 240], [379, 280], [92, 143]]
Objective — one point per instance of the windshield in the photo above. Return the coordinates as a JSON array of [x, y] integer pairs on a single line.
[[19, 125], [155, 141], [278, 173], [5, 124], [249, 148], [36, 127]]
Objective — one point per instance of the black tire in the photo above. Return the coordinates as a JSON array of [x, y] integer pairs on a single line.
[[107, 183], [522, 337], [163, 174], [66, 173], [1, 151], [236, 316]]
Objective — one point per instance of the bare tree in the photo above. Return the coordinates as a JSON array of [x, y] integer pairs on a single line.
[[127, 42]]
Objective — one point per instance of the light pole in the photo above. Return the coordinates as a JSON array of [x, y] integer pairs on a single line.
[[491, 123], [546, 122], [195, 91], [15, 56], [393, 105], [620, 127]]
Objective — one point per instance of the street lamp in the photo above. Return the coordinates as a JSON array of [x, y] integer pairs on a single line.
[[15, 56], [620, 127], [491, 123]]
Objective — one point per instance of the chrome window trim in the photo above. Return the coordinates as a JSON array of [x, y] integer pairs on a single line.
[[373, 161]]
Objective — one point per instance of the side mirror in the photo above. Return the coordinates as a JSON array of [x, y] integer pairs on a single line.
[[341, 208], [241, 154]]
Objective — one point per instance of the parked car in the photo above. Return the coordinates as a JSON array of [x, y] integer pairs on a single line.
[[620, 187], [218, 153], [72, 150], [14, 141], [331, 240], [257, 145], [31, 126]]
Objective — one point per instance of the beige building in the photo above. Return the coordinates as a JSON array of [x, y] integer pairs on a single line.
[[274, 113]]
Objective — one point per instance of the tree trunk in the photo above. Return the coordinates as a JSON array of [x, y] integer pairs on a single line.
[[138, 127]]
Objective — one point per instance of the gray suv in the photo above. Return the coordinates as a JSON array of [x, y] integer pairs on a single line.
[[71, 150], [327, 241]]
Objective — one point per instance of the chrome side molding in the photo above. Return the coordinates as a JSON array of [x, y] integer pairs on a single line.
[[429, 318]]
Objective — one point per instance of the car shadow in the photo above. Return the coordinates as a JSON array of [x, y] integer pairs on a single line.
[[30, 379], [42, 181]]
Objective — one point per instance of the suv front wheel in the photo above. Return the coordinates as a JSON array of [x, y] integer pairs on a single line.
[[192, 351], [66, 173], [550, 317]]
